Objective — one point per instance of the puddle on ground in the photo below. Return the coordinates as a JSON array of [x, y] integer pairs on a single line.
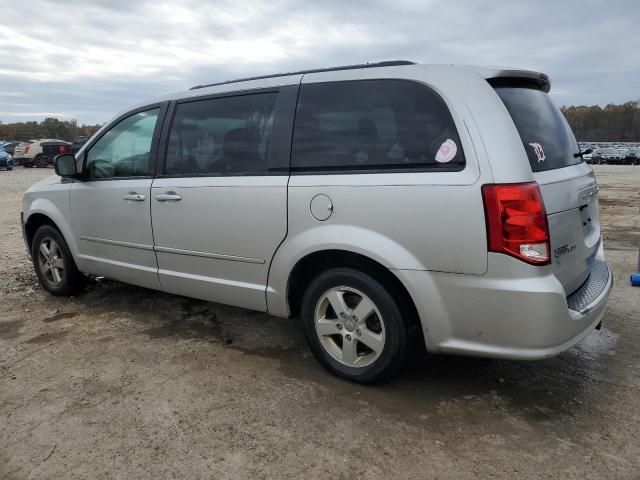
[[432, 391], [11, 329], [47, 337], [60, 316]]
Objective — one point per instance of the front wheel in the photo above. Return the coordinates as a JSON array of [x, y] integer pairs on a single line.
[[354, 327], [54, 264]]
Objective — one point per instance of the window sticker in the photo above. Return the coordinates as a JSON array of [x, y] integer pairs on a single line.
[[447, 151], [537, 149]]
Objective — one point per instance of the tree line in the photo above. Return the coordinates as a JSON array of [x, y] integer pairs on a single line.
[[49, 128], [613, 123]]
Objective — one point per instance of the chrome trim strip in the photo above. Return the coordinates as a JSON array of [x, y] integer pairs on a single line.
[[118, 243], [217, 256], [177, 251], [211, 280]]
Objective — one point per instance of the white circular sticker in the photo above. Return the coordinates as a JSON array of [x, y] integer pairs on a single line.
[[447, 151]]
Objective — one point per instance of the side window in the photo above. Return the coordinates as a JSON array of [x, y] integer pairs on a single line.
[[373, 124], [221, 136], [124, 150]]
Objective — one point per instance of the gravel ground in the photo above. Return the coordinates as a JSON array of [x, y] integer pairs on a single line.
[[123, 382]]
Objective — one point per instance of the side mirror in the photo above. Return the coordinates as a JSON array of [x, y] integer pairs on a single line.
[[65, 166]]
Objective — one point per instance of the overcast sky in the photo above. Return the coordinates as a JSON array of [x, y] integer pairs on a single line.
[[87, 59]]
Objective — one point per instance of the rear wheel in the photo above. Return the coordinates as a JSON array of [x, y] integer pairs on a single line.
[[9, 168], [54, 264], [354, 327], [40, 161]]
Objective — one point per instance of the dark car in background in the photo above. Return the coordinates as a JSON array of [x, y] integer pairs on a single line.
[[10, 147], [78, 142], [6, 160], [633, 157], [608, 155]]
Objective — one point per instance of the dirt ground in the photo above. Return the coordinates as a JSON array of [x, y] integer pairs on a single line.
[[123, 382]]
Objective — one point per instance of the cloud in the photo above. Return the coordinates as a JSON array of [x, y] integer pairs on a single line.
[[88, 60]]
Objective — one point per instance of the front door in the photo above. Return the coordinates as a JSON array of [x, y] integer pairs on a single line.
[[110, 213], [219, 208]]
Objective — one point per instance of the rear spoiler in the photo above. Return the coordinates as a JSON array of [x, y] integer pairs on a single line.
[[511, 77], [540, 83]]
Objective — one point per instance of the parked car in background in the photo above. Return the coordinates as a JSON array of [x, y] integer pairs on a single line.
[[6, 160], [587, 154], [608, 155], [352, 198], [78, 142], [21, 150], [10, 147], [40, 153], [633, 157]]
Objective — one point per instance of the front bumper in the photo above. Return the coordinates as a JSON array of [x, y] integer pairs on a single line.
[[4, 162], [505, 313]]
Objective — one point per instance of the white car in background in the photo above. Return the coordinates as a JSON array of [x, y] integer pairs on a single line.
[[40, 153]]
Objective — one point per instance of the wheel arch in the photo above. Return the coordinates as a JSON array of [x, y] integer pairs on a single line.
[[312, 264], [41, 215]]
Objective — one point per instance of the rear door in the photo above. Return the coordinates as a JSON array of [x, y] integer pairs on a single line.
[[219, 207], [567, 183]]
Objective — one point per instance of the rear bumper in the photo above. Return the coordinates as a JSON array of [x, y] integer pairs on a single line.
[[504, 314]]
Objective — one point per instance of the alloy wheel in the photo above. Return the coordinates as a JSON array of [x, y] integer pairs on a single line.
[[50, 261], [349, 326]]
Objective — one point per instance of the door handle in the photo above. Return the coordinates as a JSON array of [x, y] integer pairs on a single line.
[[168, 197], [134, 197]]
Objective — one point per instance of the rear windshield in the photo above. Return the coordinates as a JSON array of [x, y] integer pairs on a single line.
[[545, 133]]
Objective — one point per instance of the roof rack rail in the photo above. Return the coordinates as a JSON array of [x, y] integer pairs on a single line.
[[387, 63]]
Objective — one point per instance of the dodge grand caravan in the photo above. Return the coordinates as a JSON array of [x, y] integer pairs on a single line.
[[383, 205]]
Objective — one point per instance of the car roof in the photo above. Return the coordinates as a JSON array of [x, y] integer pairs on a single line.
[[294, 78]]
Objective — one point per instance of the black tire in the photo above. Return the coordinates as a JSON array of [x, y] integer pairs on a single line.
[[40, 161], [397, 337], [9, 169], [72, 281]]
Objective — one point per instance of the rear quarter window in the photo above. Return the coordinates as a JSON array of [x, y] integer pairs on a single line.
[[373, 125], [545, 133]]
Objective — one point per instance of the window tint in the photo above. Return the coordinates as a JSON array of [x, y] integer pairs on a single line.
[[374, 124], [125, 149], [228, 135], [545, 134]]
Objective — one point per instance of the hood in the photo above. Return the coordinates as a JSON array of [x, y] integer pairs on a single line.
[[52, 180]]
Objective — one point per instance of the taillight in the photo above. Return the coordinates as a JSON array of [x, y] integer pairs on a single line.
[[61, 149], [26, 149], [517, 221]]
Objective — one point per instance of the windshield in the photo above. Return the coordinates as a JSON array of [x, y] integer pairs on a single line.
[[545, 133]]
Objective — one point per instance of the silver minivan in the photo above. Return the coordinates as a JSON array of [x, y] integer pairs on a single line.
[[385, 205]]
